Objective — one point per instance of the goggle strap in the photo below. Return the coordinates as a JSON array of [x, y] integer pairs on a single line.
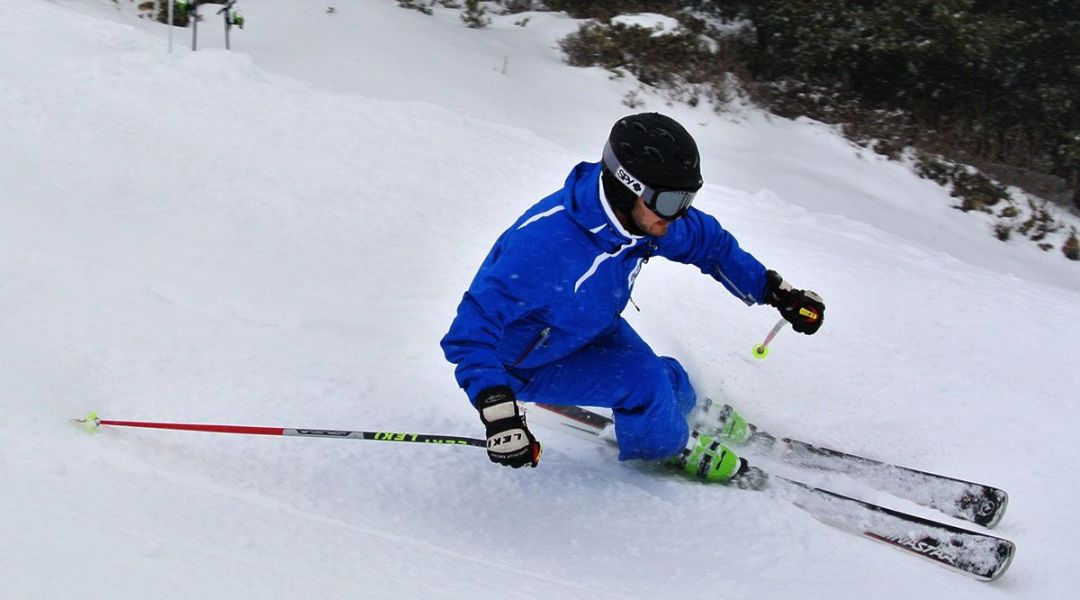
[[624, 176]]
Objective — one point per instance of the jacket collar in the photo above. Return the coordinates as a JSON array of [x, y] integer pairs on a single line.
[[589, 208]]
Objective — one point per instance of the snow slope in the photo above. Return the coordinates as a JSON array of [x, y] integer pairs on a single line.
[[279, 235]]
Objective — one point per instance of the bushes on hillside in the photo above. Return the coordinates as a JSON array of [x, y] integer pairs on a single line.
[[683, 63], [988, 83]]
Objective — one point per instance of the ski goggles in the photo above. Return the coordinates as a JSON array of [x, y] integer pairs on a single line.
[[668, 203]]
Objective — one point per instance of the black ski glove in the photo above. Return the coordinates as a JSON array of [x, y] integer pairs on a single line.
[[804, 309], [509, 441]]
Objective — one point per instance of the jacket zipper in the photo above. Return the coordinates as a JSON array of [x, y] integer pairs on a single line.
[[644, 261], [544, 333]]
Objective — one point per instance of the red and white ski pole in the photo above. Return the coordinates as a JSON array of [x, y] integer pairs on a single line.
[[92, 422]]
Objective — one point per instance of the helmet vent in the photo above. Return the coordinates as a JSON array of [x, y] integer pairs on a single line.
[[686, 161], [665, 134]]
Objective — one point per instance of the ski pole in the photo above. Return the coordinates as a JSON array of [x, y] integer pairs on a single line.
[[92, 422], [761, 351]]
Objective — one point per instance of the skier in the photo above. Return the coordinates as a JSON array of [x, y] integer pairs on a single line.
[[541, 319]]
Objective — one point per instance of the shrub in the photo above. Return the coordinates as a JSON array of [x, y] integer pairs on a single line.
[[474, 15], [683, 63], [415, 5], [1072, 247], [989, 84], [992, 84], [1002, 232]]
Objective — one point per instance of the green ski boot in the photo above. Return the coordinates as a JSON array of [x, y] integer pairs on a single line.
[[706, 458], [723, 422]]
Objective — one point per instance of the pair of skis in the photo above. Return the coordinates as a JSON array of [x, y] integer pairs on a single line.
[[980, 555]]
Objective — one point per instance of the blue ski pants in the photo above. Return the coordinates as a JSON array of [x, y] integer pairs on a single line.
[[650, 396]]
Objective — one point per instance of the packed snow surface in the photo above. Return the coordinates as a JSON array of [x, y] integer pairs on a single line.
[[279, 235]]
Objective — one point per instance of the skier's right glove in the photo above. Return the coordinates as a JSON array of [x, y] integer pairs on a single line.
[[509, 441]]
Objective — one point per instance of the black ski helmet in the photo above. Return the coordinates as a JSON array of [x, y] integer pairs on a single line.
[[657, 151]]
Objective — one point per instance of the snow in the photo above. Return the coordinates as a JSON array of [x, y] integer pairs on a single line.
[[279, 235], [663, 24]]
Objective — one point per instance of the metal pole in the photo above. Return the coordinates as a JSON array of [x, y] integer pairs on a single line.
[[170, 24], [195, 26], [228, 21]]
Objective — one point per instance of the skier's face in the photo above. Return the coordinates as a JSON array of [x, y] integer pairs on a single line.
[[648, 221]]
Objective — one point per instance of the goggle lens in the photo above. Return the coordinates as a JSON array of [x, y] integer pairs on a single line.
[[671, 204]]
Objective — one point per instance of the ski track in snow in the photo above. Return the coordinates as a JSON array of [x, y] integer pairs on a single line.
[[279, 236]]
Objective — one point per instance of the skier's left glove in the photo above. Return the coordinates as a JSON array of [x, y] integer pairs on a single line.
[[804, 309], [509, 441]]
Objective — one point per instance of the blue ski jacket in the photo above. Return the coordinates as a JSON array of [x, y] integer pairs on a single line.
[[561, 275]]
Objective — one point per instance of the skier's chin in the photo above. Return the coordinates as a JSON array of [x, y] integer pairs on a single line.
[[658, 229]]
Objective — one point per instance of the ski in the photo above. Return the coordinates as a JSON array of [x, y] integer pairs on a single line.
[[982, 556], [975, 502]]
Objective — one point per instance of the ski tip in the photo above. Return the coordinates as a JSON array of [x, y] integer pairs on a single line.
[[1002, 500], [1007, 551], [89, 423]]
